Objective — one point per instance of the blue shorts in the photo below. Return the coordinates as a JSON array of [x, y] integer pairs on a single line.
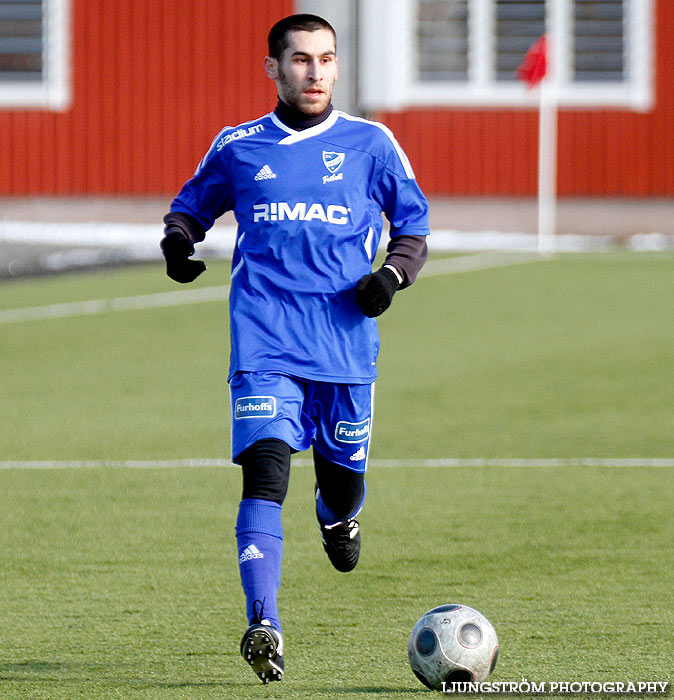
[[335, 418]]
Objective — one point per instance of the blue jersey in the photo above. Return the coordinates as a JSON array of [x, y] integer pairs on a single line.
[[308, 206]]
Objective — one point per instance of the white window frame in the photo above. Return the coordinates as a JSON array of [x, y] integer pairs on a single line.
[[387, 64], [53, 92]]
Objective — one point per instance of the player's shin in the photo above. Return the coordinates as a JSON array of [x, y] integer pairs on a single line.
[[345, 511], [340, 492], [259, 536]]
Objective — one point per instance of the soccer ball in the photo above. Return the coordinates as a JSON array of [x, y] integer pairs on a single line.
[[452, 644]]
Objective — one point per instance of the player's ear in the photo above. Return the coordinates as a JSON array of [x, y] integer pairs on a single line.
[[271, 67]]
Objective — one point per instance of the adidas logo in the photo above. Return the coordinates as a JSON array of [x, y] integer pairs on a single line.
[[250, 552], [356, 456], [265, 173]]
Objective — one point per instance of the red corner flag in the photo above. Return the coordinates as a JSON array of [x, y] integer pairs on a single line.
[[534, 66]]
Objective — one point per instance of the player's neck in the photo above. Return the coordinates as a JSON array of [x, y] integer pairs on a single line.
[[297, 120]]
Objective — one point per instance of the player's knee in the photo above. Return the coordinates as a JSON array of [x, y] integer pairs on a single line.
[[342, 489], [266, 470]]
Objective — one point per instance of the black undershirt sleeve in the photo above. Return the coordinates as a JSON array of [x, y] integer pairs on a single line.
[[407, 254]]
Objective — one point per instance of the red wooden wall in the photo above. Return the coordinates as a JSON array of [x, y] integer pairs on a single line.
[[601, 152], [155, 80], [153, 83]]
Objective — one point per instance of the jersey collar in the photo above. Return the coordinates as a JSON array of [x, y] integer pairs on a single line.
[[295, 136]]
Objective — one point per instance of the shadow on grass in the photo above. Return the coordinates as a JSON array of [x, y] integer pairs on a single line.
[[32, 670], [57, 672], [32, 667]]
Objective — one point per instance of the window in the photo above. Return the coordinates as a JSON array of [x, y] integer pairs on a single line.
[[466, 52], [34, 59], [442, 40], [517, 26], [598, 41]]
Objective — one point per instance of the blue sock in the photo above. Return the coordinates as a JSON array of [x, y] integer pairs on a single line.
[[259, 538], [326, 516]]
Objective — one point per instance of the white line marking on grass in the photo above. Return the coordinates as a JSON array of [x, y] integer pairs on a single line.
[[115, 463], [653, 462], [101, 306], [480, 261], [517, 462]]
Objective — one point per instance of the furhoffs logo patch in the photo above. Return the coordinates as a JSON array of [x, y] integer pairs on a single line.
[[255, 407], [352, 432]]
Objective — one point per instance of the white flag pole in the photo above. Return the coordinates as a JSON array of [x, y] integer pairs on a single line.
[[557, 25], [547, 166]]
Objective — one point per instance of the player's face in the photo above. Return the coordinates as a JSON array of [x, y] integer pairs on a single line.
[[306, 72]]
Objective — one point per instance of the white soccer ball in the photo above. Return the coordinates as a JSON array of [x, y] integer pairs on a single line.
[[452, 644]]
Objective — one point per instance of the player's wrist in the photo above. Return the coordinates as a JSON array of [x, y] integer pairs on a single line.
[[395, 272]]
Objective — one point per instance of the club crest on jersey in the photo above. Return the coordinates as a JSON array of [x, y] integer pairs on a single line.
[[333, 161]]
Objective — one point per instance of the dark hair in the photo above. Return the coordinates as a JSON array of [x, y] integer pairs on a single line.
[[278, 34]]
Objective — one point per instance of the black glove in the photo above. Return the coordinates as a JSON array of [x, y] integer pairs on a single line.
[[375, 291], [177, 249]]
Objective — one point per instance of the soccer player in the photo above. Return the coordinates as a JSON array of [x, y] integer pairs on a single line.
[[308, 185]]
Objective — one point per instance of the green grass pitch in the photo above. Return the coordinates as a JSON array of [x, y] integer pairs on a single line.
[[122, 582]]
